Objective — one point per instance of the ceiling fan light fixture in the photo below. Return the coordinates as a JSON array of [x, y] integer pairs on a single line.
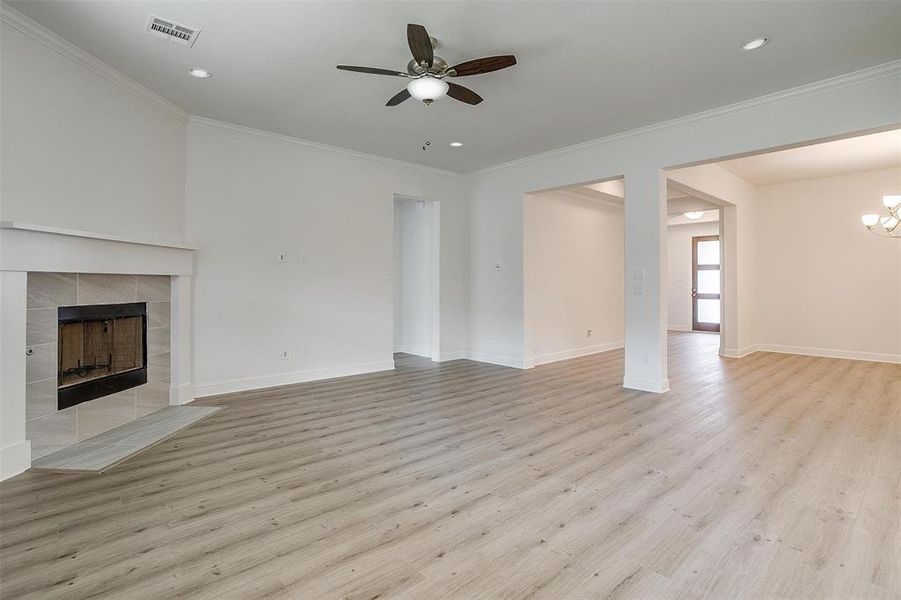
[[694, 215], [427, 88]]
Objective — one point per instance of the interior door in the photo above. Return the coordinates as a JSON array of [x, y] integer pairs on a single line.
[[705, 283]]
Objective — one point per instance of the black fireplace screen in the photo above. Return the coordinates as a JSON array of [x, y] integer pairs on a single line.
[[102, 350]]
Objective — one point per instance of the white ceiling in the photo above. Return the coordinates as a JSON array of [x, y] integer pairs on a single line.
[[840, 157], [586, 69]]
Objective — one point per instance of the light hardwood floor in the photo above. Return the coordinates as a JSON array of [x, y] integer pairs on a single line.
[[773, 476]]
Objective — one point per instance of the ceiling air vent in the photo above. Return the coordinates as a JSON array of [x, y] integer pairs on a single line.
[[171, 31]]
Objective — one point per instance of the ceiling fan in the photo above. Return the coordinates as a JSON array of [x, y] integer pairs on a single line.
[[427, 72]]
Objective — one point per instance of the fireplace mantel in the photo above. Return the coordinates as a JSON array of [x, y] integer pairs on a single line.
[[28, 248], [85, 234]]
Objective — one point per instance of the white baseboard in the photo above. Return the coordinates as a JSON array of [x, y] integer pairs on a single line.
[[739, 352], [424, 352], [829, 353], [15, 459], [181, 394], [646, 385], [549, 357], [266, 381], [679, 328], [808, 351], [498, 359]]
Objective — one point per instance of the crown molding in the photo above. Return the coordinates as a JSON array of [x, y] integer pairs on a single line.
[[207, 122], [873, 73], [51, 40]]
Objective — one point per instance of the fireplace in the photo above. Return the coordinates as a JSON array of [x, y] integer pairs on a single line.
[[102, 350]]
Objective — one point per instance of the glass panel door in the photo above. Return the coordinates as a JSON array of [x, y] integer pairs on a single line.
[[705, 283]]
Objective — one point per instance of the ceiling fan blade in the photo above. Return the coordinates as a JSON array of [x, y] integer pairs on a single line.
[[398, 97], [463, 94], [483, 65], [372, 70], [420, 44]]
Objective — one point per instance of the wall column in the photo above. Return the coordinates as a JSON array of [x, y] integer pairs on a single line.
[[645, 285], [15, 450], [181, 388]]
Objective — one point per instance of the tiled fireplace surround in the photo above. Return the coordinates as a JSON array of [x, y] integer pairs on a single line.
[[42, 268], [50, 429]]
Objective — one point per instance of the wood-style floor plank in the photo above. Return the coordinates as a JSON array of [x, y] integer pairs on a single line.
[[773, 476]]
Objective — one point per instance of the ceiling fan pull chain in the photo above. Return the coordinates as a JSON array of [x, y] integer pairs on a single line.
[[425, 119]]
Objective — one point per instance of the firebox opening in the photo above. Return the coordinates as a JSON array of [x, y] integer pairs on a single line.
[[102, 350]]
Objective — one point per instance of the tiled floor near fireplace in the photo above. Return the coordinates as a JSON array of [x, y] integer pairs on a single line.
[[103, 451]]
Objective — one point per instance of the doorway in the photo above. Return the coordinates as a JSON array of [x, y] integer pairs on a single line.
[[705, 283], [573, 267], [415, 277]]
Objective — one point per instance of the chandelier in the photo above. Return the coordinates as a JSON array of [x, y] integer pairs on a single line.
[[882, 226]]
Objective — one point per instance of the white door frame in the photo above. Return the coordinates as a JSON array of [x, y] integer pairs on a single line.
[[435, 271]]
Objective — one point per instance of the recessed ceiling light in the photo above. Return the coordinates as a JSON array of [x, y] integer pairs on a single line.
[[456, 144], [200, 73], [755, 43]]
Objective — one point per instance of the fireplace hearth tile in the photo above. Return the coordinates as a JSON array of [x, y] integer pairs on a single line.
[[152, 397], [49, 290], [96, 288], [157, 341], [40, 364], [154, 288], [40, 398], [41, 326], [105, 413], [158, 368], [159, 314], [51, 432], [101, 452]]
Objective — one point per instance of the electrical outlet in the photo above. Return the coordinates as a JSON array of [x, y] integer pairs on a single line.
[[283, 355]]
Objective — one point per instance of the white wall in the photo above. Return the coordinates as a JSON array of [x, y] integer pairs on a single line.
[[77, 134], [859, 102], [573, 275], [414, 277], [826, 285], [679, 275], [82, 147], [251, 196]]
